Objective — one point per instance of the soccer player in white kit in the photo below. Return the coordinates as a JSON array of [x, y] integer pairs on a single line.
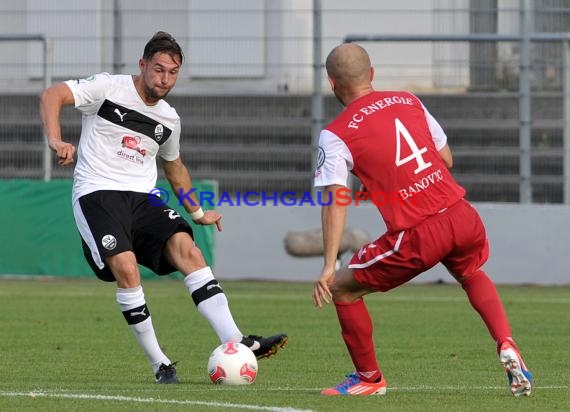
[[126, 125]]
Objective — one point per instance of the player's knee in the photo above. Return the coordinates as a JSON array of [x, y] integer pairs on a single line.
[[346, 289], [462, 279], [122, 263], [127, 275], [342, 294], [338, 295], [194, 254], [126, 266], [182, 246]]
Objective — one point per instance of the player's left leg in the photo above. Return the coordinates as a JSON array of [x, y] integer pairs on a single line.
[[357, 333], [470, 252], [210, 299], [520, 378], [485, 300]]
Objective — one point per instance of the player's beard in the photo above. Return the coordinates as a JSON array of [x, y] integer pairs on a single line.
[[154, 93]]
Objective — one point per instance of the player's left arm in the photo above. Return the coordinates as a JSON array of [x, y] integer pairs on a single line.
[[439, 139], [445, 153], [179, 178]]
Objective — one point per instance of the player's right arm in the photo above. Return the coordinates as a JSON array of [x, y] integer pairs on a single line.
[[334, 161], [333, 220], [51, 101]]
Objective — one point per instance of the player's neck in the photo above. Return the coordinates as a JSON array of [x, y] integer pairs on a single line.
[[356, 93]]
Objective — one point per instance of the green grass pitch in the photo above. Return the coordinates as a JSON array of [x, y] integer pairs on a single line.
[[65, 346]]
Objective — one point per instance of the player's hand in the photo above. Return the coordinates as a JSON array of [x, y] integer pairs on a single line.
[[211, 217], [321, 291], [65, 152]]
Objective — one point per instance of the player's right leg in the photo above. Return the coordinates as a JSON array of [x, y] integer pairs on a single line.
[[378, 266], [357, 333], [353, 385], [130, 297], [103, 219]]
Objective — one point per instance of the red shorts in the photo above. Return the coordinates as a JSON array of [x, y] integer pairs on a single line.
[[455, 237]]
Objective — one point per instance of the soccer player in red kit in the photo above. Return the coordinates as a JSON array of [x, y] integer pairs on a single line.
[[399, 152]]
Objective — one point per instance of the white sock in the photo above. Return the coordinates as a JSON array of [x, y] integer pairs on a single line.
[[136, 313], [212, 303]]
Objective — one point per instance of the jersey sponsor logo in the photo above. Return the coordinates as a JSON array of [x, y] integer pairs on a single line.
[[121, 115], [109, 242], [133, 143], [135, 158], [375, 107], [136, 122], [158, 132]]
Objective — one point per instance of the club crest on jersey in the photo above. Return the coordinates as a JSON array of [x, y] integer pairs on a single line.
[[87, 79], [158, 132], [320, 161], [109, 242], [320, 157]]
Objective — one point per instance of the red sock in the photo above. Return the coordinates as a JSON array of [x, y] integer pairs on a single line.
[[356, 327], [484, 298]]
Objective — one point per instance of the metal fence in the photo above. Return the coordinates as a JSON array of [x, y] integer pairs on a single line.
[[245, 93]]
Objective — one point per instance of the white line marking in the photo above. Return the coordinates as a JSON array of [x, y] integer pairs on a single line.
[[152, 400]]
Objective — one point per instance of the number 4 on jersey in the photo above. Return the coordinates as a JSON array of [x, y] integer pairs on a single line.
[[416, 152]]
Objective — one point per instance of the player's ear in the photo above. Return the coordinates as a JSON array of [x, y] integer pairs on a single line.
[[371, 73], [331, 82], [142, 64]]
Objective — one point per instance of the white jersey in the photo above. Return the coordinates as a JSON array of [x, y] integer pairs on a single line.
[[121, 136]]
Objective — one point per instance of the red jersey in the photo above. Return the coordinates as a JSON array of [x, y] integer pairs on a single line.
[[390, 142]]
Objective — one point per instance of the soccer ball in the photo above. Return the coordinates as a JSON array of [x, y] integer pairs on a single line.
[[232, 364]]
